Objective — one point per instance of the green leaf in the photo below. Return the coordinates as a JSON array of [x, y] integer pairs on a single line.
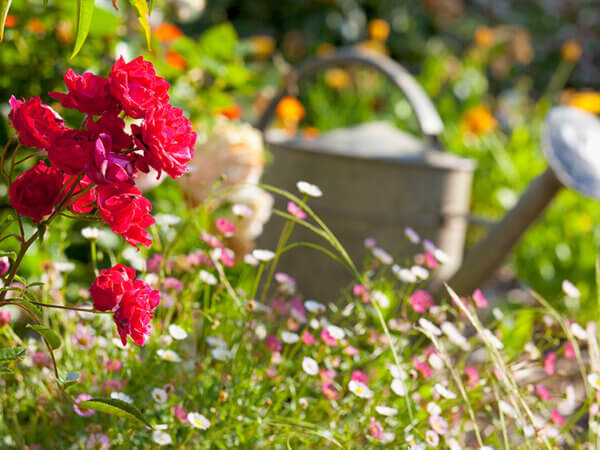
[[143, 13], [10, 354], [219, 42], [4, 7], [52, 338], [116, 407], [85, 11], [151, 5]]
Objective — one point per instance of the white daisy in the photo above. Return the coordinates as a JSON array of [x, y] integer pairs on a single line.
[[594, 380], [336, 332], [455, 336], [166, 220], [121, 396], [177, 332], [197, 420], [381, 299], [399, 387], [220, 354], [444, 391], [310, 366], [159, 395], [570, 290], [429, 327], [309, 189], [433, 409], [435, 361], [168, 355], [404, 275], [420, 272], [432, 438], [360, 389], [578, 331], [263, 255], [207, 277], [161, 438], [250, 260], [216, 342], [497, 343], [411, 235], [398, 372], [91, 233], [383, 256], [386, 410], [289, 338], [314, 306]]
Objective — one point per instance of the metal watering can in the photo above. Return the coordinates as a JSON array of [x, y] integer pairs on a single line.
[[378, 180]]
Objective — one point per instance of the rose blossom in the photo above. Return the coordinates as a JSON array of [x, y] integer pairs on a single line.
[[124, 209], [108, 289], [70, 150], [111, 124], [35, 122], [136, 87], [88, 93], [106, 167], [36, 191], [167, 139], [135, 311]]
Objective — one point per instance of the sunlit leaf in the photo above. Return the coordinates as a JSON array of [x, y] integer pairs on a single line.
[[143, 13], [4, 7], [85, 11], [116, 407]]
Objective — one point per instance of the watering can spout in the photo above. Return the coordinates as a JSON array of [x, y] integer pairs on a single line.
[[483, 260], [570, 143]]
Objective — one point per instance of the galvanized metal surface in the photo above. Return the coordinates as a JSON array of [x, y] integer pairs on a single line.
[[376, 181]]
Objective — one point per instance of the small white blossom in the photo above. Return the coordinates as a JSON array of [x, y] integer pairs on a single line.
[[429, 327], [441, 256], [91, 233], [381, 299], [498, 314], [263, 255], [404, 275], [432, 438], [207, 277], [360, 389], [578, 331], [121, 396], [220, 354], [161, 438], [159, 395], [309, 189], [433, 409], [435, 361], [336, 332], [398, 372], [386, 410], [168, 355], [497, 343], [314, 306], [444, 391], [455, 336], [570, 290], [594, 380], [250, 260], [411, 235], [177, 332], [289, 338], [420, 272], [216, 342], [310, 366], [383, 256], [398, 387], [197, 420], [507, 409], [166, 220]]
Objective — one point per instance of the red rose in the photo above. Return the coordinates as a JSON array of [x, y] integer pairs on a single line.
[[88, 93], [107, 167], [35, 122], [111, 124], [167, 139], [36, 191], [70, 150], [137, 88], [124, 209], [135, 312], [87, 201], [108, 289]]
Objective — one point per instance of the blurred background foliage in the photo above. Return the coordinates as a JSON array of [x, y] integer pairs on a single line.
[[493, 69]]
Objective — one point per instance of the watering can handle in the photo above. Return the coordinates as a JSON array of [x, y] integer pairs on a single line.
[[429, 120]]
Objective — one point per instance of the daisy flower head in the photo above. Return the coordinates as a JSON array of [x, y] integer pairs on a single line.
[[161, 438], [168, 355], [310, 366], [177, 332], [263, 255], [360, 389], [439, 425], [159, 395], [309, 189], [197, 420]]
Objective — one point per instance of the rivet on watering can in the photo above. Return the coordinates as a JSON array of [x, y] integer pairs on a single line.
[[571, 143], [376, 181]]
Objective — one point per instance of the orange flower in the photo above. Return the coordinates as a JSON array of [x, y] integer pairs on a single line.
[[11, 21], [571, 51], [167, 32], [479, 121], [64, 32], [290, 109], [262, 46], [232, 112], [35, 25], [374, 46], [588, 101], [337, 78], [379, 30], [176, 60], [484, 37]]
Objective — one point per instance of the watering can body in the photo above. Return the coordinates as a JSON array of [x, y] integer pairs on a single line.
[[376, 181]]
